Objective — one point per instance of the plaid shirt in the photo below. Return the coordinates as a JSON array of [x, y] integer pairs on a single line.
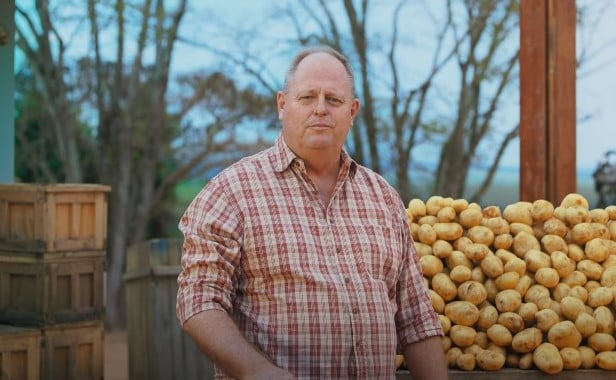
[[327, 293]]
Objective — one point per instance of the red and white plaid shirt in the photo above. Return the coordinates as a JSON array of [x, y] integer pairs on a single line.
[[327, 293]]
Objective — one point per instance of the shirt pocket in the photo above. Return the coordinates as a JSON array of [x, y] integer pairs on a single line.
[[379, 250]]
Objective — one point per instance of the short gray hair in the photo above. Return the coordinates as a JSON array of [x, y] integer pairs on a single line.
[[319, 49]]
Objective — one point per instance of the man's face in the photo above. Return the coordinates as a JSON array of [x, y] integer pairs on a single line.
[[318, 107]]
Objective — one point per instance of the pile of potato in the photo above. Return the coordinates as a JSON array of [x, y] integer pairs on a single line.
[[531, 286]]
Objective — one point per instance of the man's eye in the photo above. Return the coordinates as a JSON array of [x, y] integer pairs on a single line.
[[334, 100]]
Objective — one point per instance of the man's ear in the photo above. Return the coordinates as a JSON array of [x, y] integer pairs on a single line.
[[281, 102]]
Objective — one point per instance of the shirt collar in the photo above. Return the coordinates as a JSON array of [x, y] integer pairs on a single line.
[[284, 157]]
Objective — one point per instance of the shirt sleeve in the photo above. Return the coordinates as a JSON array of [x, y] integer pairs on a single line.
[[416, 319], [210, 253]]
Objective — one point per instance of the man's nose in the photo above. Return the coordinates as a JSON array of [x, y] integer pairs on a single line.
[[321, 107]]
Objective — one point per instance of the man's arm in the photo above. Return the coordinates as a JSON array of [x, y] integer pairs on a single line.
[[426, 360], [218, 337]]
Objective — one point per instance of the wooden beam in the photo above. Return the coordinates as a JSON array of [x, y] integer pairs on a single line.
[[547, 99]]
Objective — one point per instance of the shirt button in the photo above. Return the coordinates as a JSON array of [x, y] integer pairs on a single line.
[[347, 280], [355, 310]]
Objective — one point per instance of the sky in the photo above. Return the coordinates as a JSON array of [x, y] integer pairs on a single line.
[[596, 129]]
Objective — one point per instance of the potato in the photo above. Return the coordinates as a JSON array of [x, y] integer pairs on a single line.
[[458, 258], [504, 241], [575, 253], [512, 360], [611, 212], [423, 249], [478, 275], [516, 228], [442, 249], [452, 355], [511, 321], [547, 358], [480, 234], [551, 243], [507, 280], [606, 360], [426, 234], [430, 265], [600, 342], [462, 313], [492, 266], [446, 343], [491, 211], [547, 277], [527, 311], [586, 324], [446, 214], [605, 319], [526, 361], [572, 307], [473, 292], [434, 204], [491, 288], [591, 285], [564, 334], [562, 263], [473, 348], [599, 215], [541, 210], [438, 304], [584, 232], [588, 357], [460, 274], [560, 291], [508, 300], [499, 335], [448, 231], [399, 361], [527, 340], [462, 336], [539, 295], [572, 359], [466, 362], [611, 259], [519, 212], [523, 242], [459, 205], [490, 360], [445, 323], [576, 214], [592, 270], [599, 249], [601, 296], [523, 285], [579, 292], [488, 316], [428, 219], [536, 259], [481, 339], [576, 278], [497, 225], [608, 277], [554, 226], [476, 252], [442, 284], [416, 207], [546, 318], [470, 217], [515, 265], [574, 199]]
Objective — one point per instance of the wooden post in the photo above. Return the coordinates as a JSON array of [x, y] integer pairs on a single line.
[[7, 105], [547, 99]]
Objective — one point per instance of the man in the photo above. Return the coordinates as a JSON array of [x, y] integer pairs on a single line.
[[297, 261]]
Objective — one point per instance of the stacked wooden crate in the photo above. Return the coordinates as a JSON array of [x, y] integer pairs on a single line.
[[52, 252]]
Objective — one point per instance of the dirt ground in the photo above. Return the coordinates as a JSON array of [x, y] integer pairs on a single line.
[[116, 355]]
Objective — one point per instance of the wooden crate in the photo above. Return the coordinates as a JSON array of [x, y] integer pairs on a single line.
[[158, 349], [73, 351], [44, 289], [49, 218], [20, 352]]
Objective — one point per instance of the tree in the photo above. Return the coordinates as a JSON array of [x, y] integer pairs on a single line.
[[132, 119]]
